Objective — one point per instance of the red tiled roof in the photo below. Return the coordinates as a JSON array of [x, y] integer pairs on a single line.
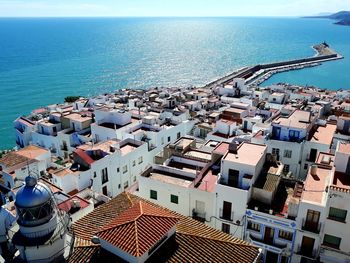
[[193, 241], [83, 155], [138, 228], [67, 204]]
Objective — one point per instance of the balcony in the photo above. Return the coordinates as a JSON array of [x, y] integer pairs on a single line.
[[199, 216], [267, 242], [307, 252], [226, 215], [311, 226], [20, 129]]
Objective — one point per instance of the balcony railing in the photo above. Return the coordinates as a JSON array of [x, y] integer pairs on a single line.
[[306, 252], [313, 227], [200, 216], [226, 215], [20, 129], [267, 242]]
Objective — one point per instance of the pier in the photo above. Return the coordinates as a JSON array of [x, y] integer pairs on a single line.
[[257, 74]]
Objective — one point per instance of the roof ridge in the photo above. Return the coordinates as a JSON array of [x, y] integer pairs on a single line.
[[245, 244], [129, 198], [137, 238], [126, 222]]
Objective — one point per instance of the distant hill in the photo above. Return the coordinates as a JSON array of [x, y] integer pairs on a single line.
[[342, 17]]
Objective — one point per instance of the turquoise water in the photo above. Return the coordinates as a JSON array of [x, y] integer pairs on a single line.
[[44, 60]]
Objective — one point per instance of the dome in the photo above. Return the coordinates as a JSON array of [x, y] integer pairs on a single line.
[[32, 194]]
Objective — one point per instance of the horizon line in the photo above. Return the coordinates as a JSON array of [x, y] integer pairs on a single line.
[[213, 16]]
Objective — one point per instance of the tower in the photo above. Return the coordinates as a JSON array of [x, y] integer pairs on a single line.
[[42, 232]]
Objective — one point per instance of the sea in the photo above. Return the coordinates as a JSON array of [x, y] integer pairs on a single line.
[[43, 60]]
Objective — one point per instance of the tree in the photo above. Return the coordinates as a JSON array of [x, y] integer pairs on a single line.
[[71, 98]]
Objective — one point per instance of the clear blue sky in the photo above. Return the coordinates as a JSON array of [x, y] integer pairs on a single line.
[[43, 8]]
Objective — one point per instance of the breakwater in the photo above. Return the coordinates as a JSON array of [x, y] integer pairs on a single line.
[[258, 73]]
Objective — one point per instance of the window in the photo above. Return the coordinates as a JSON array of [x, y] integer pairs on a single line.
[[331, 241], [125, 169], [126, 184], [95, 175], [178, 135], [294, 134], [169, 138], [273, 99], [133, 163], [286, 168], [312, 155], [174, 199], [104, 176], [337, 214], [285, 235], [104, 190], [276, 151], [162, 140], [225, 228], [306, 166], [287, 154], [140, 159], [253, 226], [118, 170], [153, 194], [118, 186]]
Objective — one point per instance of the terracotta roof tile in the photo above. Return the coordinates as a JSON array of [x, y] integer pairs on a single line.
[[193, 241], [138, 228]]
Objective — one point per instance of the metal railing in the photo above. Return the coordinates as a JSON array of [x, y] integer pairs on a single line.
[[311, 226], [267, 242], [225, 215], [305, 252]]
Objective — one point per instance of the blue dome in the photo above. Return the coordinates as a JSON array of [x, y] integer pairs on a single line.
[[32, 194]]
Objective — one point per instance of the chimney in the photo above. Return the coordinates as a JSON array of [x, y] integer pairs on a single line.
[[313, 170]]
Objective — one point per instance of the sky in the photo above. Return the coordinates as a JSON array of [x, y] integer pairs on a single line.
[[154, 8]]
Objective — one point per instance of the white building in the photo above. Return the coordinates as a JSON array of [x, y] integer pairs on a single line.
[[240, 168]]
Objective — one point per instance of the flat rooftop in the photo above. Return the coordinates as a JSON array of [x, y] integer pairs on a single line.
[[222, 148], [170, 178], [78, 117], [184, 142], [344, 148], [104, 146], [324, 134], [298, 119], [247, 153], [208, 181], [235, 110], [198, 155], [32, 151], [315, 185], [128, 148], [184, 166]]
